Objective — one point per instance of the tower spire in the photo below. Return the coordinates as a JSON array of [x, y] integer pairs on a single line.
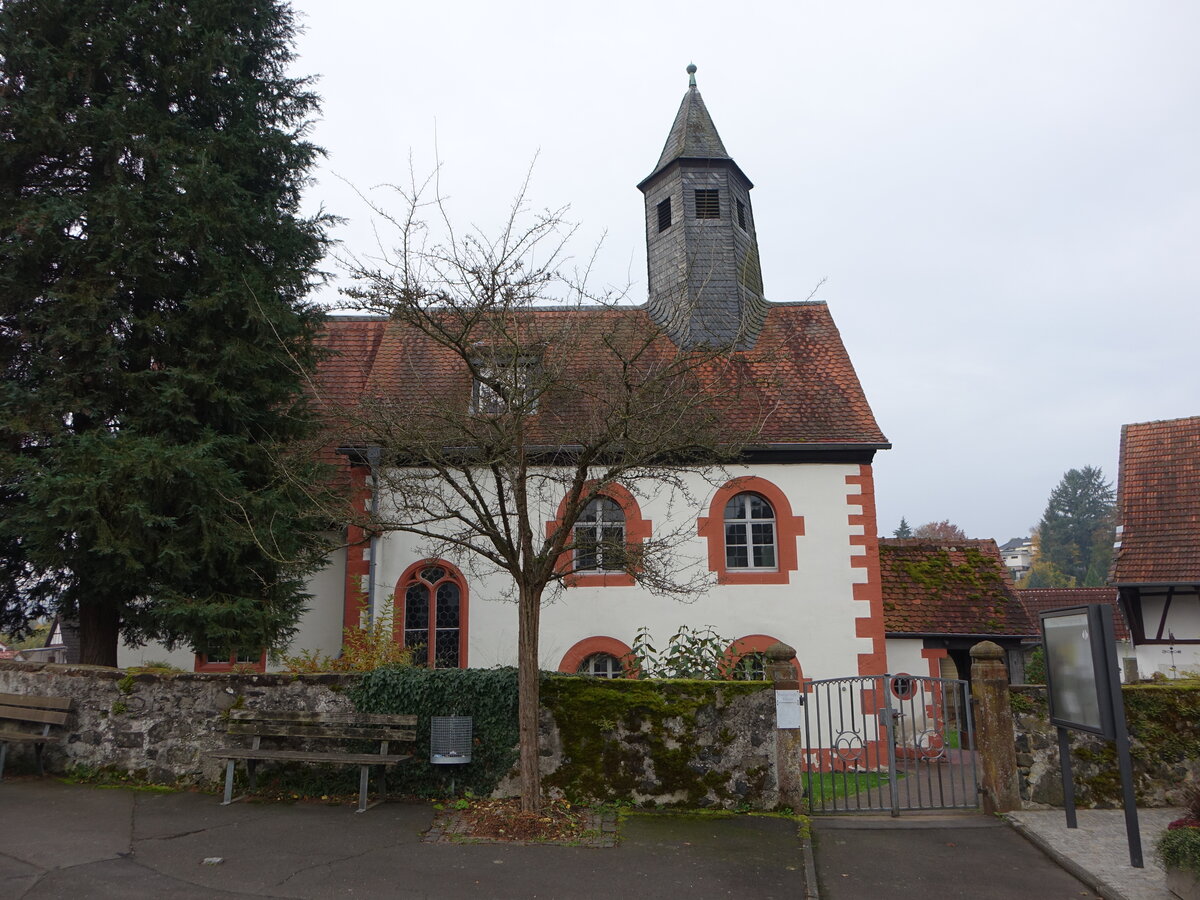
[[702, 250]]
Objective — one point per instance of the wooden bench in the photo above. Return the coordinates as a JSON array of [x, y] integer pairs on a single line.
[[26, 719], [281, 726]]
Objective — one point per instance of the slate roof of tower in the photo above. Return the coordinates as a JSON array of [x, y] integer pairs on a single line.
[[692, 136], [1158, 503], [802, 375], [1039, 600], [948, 587]]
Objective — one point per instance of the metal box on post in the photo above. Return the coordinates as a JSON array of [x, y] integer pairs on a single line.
[[449, 740]]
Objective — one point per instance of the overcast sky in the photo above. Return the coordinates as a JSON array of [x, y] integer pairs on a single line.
[[1003, 196]]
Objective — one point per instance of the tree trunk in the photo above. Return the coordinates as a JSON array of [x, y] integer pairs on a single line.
[[529, 612], [99, 628]]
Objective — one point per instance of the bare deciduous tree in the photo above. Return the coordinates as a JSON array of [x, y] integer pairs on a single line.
[[520, 392]]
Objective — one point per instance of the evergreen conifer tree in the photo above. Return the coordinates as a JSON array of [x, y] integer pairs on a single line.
[[904, 530], [1075, 534], [153, 269]]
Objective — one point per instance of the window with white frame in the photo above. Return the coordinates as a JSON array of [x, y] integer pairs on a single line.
[[501, 384], [602, 665], [749, 533], [599, 537]]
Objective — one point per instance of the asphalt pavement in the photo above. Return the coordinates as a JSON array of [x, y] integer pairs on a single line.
[[71, 841]]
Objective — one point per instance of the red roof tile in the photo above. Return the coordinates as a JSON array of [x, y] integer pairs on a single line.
[[1158, 504], [1038, 600], [802, 382], [943, 587]]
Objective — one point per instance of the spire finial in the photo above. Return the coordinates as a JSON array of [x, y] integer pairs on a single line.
[[691, 70]]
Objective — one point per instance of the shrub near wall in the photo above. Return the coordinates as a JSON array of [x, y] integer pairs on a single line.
[[1164, 732], [488, 696], [690, 743]]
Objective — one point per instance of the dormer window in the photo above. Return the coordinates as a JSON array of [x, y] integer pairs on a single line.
[[708, 203], [664, 215], [501, 385]]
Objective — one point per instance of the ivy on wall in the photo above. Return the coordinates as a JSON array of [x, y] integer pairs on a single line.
[[489, 696]]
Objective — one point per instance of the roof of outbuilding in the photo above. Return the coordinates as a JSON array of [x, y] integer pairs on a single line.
[[948, 587], [1039, 600], [1158, 503], [799, 378]]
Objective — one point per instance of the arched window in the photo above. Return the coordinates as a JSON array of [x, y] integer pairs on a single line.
[[602, 665], [749, 533], [599, 537], [434, 616], [750, 667]]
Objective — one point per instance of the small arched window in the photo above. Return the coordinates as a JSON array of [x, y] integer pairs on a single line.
[[433, 617], [750, 667], [599, 537], [749, 533], [602, 665]]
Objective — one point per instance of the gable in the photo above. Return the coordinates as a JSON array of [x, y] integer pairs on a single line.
[[1158, 504]]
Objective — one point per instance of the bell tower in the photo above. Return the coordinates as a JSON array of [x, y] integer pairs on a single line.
[[701, 248]]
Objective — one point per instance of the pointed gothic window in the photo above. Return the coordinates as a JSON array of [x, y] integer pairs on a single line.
[[708, 203], [664, 215], [433, 617]]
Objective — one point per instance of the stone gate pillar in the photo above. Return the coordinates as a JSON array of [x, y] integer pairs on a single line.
[[789, 736], [995, 737]]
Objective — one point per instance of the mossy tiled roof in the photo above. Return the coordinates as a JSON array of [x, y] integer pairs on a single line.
[[948, 587]]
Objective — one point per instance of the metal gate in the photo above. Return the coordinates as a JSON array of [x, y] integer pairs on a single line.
[[889, 743]]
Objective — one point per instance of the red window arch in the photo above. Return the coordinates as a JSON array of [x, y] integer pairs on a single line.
[[431, 614], [787, 528], [637, 530], [753, 644], [575, 657]]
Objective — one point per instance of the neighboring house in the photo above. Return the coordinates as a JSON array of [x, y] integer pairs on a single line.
[[940, 598], [5, 653], [1039, 600], [1156, 557], [1018, 556], [54, 648], [788, 538]]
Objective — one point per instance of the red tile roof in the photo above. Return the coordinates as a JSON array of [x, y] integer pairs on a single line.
[[948, 587], [1038, 600], [1158, 504], [800, 379]]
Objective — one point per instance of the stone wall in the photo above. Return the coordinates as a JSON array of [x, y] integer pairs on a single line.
[[156, 725], [1164, 732], [697, 743]]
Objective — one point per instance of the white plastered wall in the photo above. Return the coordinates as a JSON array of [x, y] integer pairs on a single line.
[[320, 628], [904, 656], [1183, 620], [815, 611]]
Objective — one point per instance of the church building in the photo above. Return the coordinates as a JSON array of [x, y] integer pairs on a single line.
[[785, 537]]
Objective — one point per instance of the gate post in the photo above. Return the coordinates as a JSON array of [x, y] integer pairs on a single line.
[[789, 737], [994, 733]]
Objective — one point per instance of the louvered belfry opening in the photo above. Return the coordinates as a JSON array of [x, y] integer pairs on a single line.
[[708, 203]]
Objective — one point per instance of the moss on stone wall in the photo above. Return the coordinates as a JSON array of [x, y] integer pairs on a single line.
[[627, 741], [1164, 738]]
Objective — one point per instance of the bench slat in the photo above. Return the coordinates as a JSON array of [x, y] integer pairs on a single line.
[[354, 718], [27, 737], [24, 714], [31, 700], [340, 732], [357, 759]]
